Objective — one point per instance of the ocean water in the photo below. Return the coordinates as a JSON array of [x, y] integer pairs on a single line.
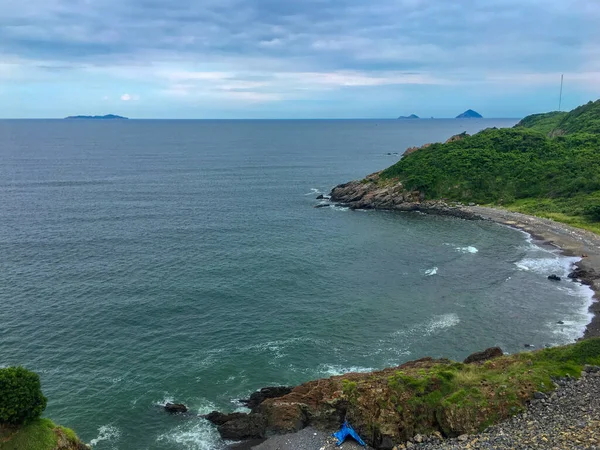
[[148, 261]]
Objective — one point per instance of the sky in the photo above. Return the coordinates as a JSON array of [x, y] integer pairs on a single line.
[[203, 59]]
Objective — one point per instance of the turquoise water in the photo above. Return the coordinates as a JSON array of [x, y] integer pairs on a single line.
[[146, 261]]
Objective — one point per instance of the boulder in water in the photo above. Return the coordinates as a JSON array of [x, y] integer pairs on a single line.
[[554, 277], [176, 408]]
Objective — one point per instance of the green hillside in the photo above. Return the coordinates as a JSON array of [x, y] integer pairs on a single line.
[[548, 164]]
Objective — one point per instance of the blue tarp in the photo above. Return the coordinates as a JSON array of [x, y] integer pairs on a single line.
[[346, 431]]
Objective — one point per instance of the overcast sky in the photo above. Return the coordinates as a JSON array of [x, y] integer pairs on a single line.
[[296, 58]]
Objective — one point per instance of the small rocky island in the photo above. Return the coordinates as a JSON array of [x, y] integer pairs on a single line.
[[412, 116], [105, 117], [470, 114]]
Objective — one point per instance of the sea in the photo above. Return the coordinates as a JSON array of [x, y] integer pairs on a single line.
[[143, 262]]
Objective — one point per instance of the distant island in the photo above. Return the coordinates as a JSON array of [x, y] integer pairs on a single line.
[[412, 116], [470, 114], [108, 116]]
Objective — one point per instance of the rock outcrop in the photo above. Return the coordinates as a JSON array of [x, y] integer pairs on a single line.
[[486, 355], [256, 398], [374, 193], [424, 397]]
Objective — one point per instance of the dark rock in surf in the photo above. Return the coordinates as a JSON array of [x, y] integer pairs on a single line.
[[553, 277], [256, 398], [490, 353], [176, 408], [320, 197], [244, 427]]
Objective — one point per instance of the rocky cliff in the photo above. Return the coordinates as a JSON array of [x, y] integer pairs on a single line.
[[426, 397], [375, 193]]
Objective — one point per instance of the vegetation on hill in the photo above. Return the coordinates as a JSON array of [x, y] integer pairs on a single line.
[[548, 164], [21, 405], [544, 122]]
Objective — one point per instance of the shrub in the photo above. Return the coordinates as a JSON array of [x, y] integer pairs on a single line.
[[21, 398], [592, 211]]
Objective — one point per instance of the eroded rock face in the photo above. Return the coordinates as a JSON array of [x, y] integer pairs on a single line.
[[490, 353], [374, 193], [243, 426]]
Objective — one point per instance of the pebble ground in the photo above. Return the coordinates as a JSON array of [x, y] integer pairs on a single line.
[[567, 419]]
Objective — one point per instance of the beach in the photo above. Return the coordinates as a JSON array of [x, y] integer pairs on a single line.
[[569, 240]]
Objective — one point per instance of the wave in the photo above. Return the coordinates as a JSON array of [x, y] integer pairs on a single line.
[[167, 399], [340, 208], [314, 191], [558, 265], [431, 272], [192, 435], [431, 326], [106, 433], [468, 249], [335, 369]]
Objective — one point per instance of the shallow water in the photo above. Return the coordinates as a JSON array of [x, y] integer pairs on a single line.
[[147, 261]]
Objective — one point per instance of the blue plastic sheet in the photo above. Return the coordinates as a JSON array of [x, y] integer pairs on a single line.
[[346, 431]]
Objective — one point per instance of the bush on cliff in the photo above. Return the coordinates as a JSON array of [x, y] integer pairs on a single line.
[[21, 398]]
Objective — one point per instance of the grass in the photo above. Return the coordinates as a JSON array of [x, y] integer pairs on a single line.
[[40, 434], [456, 398], [564, 210]]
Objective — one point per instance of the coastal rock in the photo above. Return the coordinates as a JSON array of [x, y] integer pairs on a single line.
[[374, 193], [256, 398], [243, 426], [410, 150], [490, 353], [175, 408], [554, 277], [320, 197], [457, 137]]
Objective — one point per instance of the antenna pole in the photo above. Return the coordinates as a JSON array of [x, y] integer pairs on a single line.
[[561, 88]]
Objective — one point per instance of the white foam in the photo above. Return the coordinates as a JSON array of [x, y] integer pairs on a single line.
[[431, 272], [468, 249], [106, 433], [314, 191], [193, 435], [334, 369], [440, 323], [557, 265], [340, 208], [166, 399], [432, 326]]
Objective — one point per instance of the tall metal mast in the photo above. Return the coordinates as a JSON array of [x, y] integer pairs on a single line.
[[561, 87]]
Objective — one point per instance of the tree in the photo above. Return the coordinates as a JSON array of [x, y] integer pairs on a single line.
[[21, 398]]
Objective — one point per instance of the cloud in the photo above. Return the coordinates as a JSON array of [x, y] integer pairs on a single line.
[[271, 51], [129, 97]]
